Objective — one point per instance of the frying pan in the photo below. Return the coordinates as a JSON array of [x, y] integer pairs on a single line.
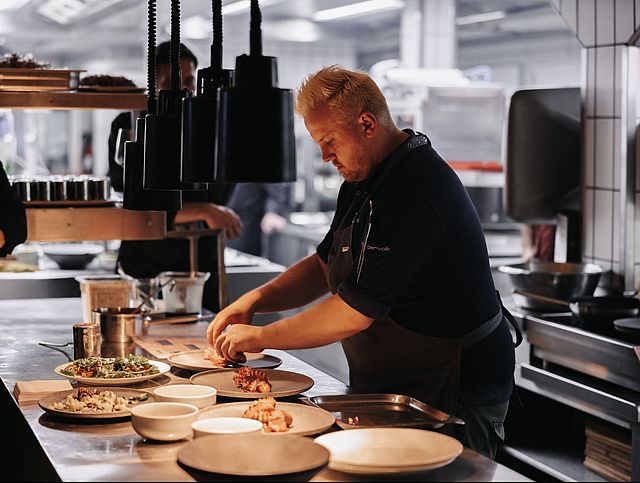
[[594, 313]]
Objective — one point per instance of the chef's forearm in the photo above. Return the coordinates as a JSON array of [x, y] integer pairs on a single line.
[[299, 285], [329, 321]]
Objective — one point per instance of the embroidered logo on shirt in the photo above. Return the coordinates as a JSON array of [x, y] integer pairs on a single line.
[[374, 248], [345, 248]]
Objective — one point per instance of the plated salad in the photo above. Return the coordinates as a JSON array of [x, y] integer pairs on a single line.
[[110, 368]]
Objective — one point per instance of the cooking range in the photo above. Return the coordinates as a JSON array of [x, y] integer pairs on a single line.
[[596, 371]]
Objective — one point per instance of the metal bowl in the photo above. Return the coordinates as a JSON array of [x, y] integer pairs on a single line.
[[563, 281]]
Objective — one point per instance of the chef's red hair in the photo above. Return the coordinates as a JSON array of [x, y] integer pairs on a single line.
[[347, 93]]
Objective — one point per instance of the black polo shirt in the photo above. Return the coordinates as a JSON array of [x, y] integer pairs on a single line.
[[426, 265]]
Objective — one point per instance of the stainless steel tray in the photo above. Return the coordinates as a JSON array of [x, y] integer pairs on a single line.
[[381, 411]]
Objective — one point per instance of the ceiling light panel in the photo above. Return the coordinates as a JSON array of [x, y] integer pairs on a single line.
[[357, 10], [11, 5], [68, 11], [481, 17]]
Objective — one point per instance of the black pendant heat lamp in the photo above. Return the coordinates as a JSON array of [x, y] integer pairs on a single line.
[[163, 135], [254, 138], [135, 197], [199, 113]]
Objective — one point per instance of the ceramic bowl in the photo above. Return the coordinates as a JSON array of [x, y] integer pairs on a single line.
[[199, 396], [206, 427], [164, 421]]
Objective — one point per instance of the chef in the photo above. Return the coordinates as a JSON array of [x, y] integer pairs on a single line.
[[404, 264], [13, 220]]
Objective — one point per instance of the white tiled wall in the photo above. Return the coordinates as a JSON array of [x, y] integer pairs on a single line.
[[612, 102]]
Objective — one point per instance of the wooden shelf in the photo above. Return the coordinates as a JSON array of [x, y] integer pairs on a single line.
[[72, 100], [87, 223]]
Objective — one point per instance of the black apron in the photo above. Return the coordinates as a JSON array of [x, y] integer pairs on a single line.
[[386, 357]]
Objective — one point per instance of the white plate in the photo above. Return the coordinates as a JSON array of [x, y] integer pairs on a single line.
[[379, 470], [195, 361], [121, 381], [389, 450], [307, 420]]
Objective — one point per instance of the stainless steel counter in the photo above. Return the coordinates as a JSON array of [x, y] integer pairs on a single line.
[[53, 449]]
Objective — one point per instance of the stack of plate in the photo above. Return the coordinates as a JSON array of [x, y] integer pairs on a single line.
[[389, 451]]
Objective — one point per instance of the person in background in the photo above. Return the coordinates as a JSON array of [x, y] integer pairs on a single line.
[[146, 259], [538, 242], [13, 218], [262, 208], [405, 261]]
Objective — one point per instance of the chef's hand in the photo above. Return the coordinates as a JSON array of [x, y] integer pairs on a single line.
[[225, 218], [238, 339], [236, 313]]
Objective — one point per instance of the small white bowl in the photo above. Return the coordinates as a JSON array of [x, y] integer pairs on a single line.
[[164, 421], [199, 396], [209, 426]]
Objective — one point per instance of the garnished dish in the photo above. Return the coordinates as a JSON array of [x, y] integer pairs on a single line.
[[108, 83], [112, 371], [93, 401], [251, 383], [252, 380], [17, 61], [110, 368], [106, 80], [273, 420], [207, 359]]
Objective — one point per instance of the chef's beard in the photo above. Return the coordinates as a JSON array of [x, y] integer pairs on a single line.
[[359, 166]]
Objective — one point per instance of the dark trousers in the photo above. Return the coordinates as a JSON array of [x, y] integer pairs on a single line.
[[483, 428]]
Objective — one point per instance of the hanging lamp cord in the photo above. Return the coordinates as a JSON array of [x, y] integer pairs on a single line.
[[152, 102], [176, 81], [255, 35], [216, 46]]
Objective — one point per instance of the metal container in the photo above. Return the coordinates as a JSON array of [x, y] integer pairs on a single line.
[[99, 189], [43, 189], [118, 324], [86, 340], [78, 188], [564, 281], [185, 297], [57, 189]]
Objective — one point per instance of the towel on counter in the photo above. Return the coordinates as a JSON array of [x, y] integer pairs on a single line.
[[32, 391]]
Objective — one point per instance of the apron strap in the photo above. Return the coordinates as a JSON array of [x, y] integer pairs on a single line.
[[479, 333], [512, 321], [487, 328]]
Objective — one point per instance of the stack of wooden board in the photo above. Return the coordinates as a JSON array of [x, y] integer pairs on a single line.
[[37, 80], [608, 451]]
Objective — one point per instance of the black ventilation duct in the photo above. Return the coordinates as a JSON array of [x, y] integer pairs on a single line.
[[199, 114], [255, 139], [163, 136]]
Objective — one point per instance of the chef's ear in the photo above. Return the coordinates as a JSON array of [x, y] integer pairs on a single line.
[[368, 123]]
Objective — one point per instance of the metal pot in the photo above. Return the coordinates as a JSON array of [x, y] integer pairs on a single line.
[[119, 324], [560, 281], [185, 297]]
